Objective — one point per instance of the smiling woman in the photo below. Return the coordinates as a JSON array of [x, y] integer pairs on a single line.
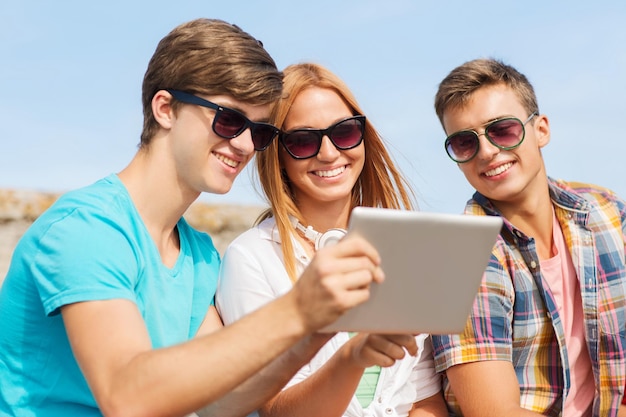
[[329, 159]]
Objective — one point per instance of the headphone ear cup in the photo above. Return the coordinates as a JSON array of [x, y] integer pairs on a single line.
[[329, 238]]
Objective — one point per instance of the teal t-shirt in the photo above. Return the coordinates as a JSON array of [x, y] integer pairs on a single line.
[[91, 245]]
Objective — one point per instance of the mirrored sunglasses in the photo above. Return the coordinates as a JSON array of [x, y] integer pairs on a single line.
[[306, 143], [507, 133], [229, 123]]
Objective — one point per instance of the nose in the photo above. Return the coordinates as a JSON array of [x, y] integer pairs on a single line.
[[328, 150], [243, 143], [486, 149]]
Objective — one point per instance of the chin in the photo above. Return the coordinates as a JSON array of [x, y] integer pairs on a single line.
[[222, 191], [219, 189]]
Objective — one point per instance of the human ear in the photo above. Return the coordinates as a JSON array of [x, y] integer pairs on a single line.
[[162, 109], [542, 130]]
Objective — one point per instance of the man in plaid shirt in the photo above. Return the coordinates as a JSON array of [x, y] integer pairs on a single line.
[[546, 334]]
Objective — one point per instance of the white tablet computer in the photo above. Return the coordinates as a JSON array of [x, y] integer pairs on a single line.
[[433, 264]]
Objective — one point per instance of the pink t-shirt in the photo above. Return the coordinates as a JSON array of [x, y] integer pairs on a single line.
[[561, 276]]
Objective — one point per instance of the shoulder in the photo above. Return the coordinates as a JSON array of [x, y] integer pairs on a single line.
[[588, 197], [106, 198], [589, 192], [100, 210], [109, 189]]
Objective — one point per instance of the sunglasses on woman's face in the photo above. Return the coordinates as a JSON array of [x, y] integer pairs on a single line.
[[506, 134], [229, 123], [306, 143]]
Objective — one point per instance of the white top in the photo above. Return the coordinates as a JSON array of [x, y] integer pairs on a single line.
[[253, 274]]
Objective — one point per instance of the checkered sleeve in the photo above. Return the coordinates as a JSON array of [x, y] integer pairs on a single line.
[[488, 332]]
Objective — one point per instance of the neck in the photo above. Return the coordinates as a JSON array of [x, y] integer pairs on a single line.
[[159, 201], [324, 215]]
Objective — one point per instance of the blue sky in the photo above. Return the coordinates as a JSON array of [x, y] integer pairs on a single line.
[[71, 73]]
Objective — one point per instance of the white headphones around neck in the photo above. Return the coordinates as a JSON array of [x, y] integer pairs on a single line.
[[320, 240]]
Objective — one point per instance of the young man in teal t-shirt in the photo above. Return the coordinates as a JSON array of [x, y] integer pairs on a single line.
[[107, 308]]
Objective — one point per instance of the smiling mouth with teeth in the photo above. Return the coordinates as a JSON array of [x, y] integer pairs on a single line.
[[231, 163], [331, 173], [498, 170]]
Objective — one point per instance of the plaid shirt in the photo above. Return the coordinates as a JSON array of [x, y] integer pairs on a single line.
[[515, 317]]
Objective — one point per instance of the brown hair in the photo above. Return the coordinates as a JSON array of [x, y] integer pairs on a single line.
[[457, 88], [379, 185], [212, 57]]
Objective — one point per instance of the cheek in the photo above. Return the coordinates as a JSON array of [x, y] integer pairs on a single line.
[[292, 167], [467, 171], [357, 155]]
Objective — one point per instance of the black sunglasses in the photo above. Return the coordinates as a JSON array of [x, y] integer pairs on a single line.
[[306, 143], [507, 133], [229, 123]]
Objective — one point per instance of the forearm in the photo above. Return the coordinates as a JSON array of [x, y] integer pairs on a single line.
[[206, 368], [128, 377], [499, 397], [433, 406], [496, 410], [264, 385], [326, 392]]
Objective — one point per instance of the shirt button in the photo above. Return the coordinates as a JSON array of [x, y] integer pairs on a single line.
[[533, 264], [388, 411]]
